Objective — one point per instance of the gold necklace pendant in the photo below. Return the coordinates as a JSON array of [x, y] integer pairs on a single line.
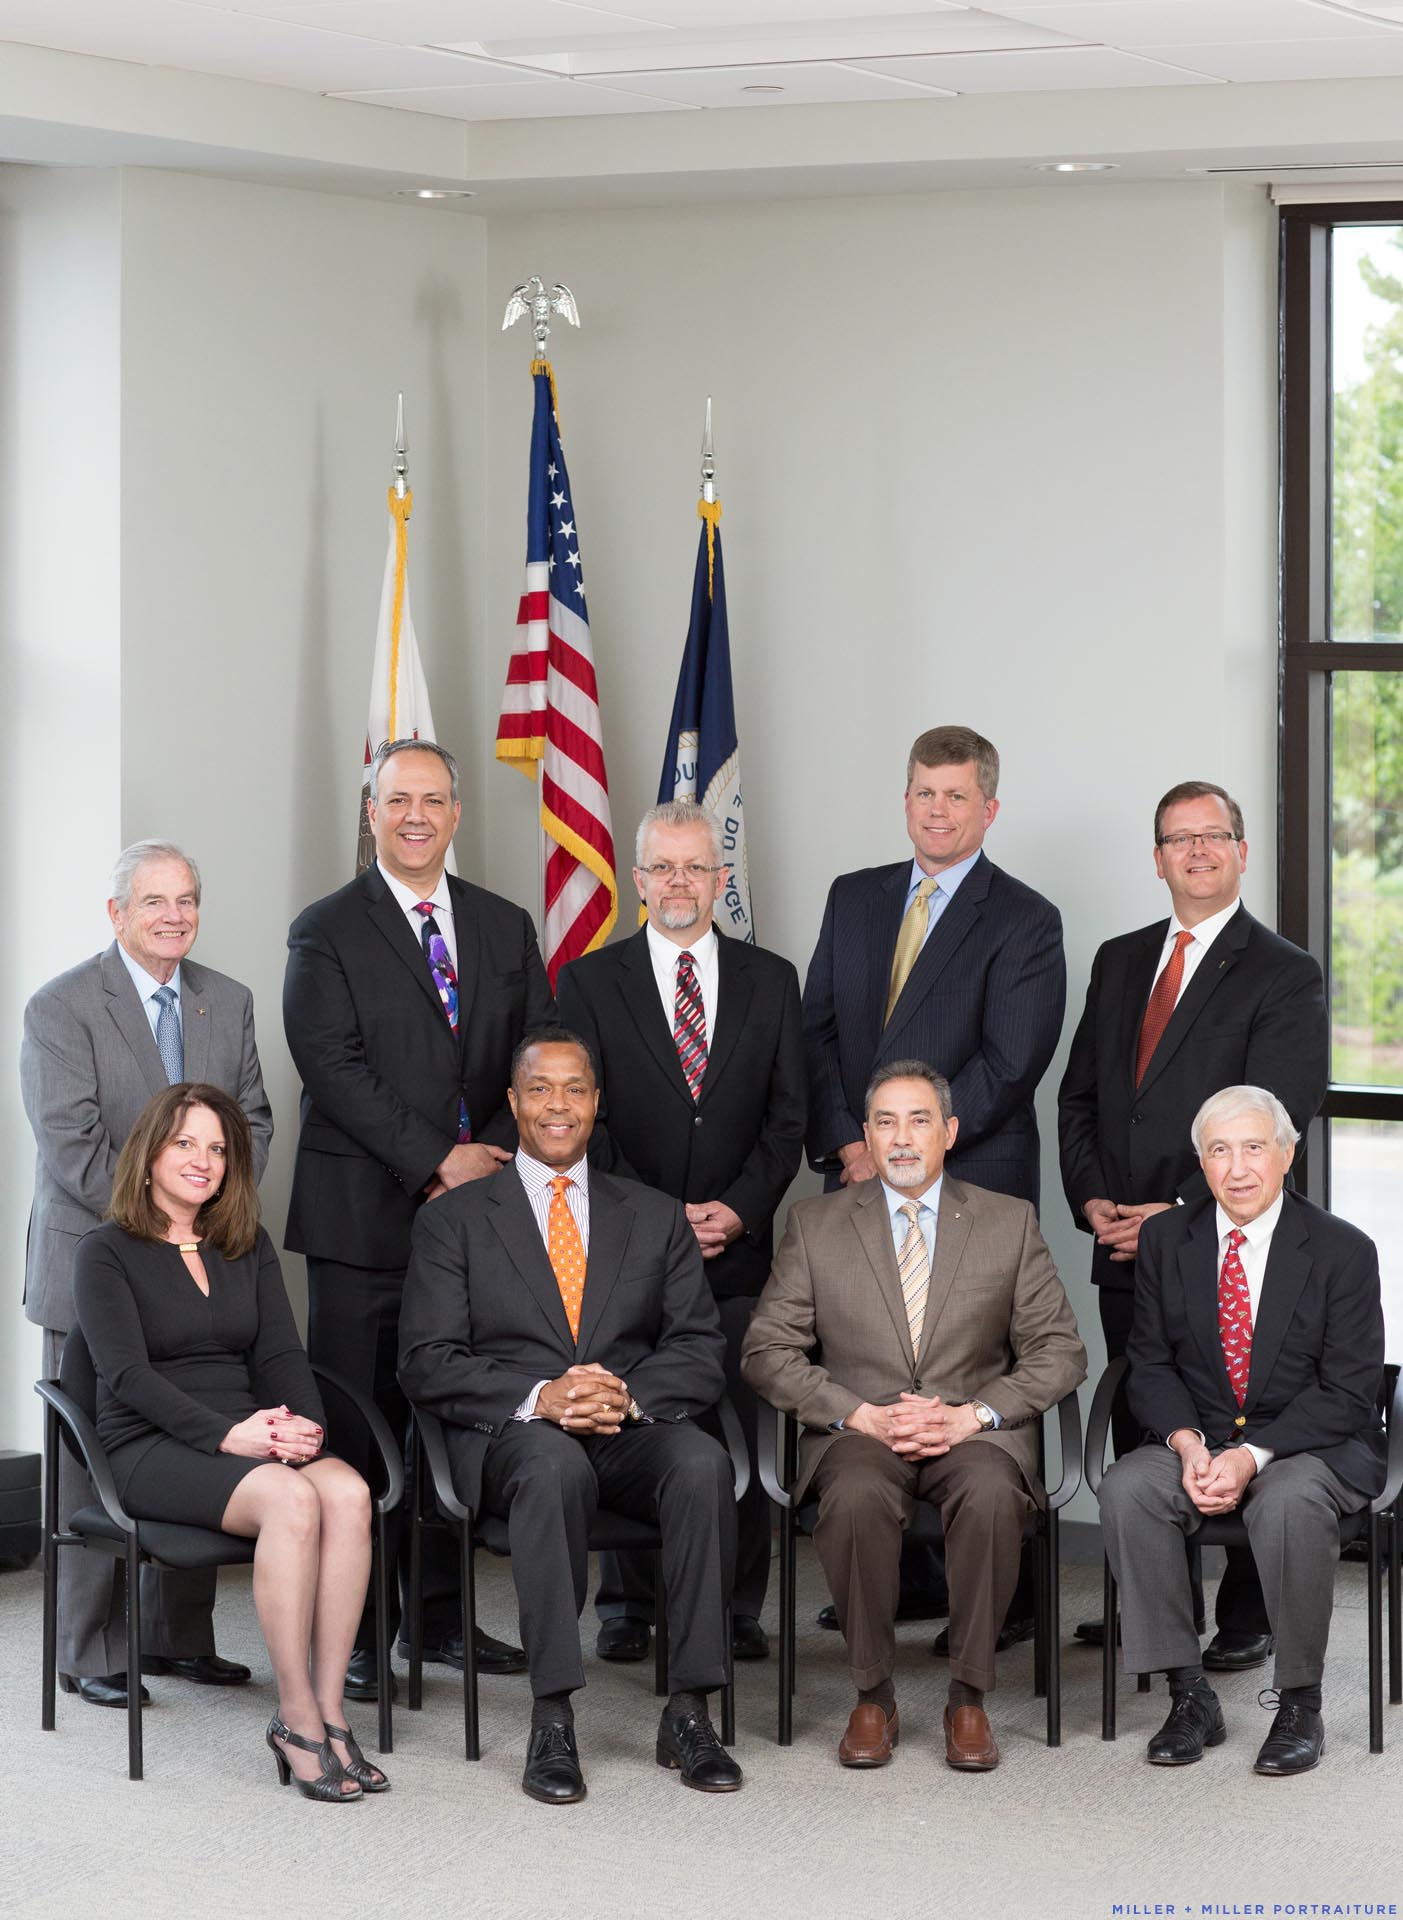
[[188, 1246]]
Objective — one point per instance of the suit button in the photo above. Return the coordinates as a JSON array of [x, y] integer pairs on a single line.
[[918, 1385], [696, 1119], [1134, 1119]]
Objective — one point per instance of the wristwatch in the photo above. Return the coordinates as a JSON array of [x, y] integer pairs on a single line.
[[984, 1415]]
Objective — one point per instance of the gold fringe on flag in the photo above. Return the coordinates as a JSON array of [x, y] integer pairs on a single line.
[[400, 509]]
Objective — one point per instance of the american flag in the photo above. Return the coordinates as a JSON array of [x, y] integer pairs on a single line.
[[550, 709]]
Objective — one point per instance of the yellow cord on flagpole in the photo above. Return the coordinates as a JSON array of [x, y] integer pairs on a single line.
[[710, 511], [400, 510], [545, 367]]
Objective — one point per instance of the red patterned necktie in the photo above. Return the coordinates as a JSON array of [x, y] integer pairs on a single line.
[[1161, 1005], [689, 1025], [1235, 1316]]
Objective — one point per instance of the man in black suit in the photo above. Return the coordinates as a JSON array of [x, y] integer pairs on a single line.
[[405, 993], [949, 959], [560, 1322], [1232, 1002], [1255, 1355], [711, 1113]]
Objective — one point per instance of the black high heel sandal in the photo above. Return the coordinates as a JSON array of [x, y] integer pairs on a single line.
[[327, 1785], [370, 1779]]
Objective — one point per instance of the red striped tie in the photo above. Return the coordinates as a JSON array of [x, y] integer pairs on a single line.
[[689, 1025]]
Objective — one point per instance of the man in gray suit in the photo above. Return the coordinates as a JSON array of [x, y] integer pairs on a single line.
[[917, 1328], [99, 1042]]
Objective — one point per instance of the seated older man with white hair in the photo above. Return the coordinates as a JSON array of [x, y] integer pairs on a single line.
[[1255, 1360]]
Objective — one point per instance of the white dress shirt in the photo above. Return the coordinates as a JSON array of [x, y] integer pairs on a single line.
[[443, 910], [665, 953], [945, 888], [148, 987], [1204, 934], [536, 1178]]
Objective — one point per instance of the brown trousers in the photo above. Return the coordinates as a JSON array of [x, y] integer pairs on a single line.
[[867, 1498]]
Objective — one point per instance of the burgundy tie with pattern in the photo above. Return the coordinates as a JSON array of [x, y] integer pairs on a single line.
[[1235, 1316], [1162, 1003], [446, 981], [689, 1025]]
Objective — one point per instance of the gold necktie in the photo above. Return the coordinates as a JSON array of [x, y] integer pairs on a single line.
[[913, 1265], [909, 942], [567, 1252]]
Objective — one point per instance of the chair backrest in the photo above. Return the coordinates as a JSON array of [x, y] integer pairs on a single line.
[[77, 1375]]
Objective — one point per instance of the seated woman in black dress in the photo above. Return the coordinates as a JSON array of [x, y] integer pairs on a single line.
[[210, 1415]]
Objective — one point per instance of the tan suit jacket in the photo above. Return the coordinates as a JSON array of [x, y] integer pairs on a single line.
[[830, 1331]]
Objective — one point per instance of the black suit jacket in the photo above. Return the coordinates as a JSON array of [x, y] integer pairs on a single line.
[[1252, 1015], [983, 1005], [742, 1141], [1317, 1345], [482, 1321], [382, 1071]]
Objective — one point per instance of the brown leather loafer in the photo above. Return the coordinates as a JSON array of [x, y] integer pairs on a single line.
[[870, 1736], [969, 1743]]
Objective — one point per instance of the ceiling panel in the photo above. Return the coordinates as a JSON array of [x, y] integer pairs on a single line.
[[521, 100], [1049, 70], [1380, 59], [815, 82], [1164, 23], [425, 22]]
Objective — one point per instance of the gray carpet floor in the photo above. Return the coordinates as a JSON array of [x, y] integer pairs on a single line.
[[1088, 1831]]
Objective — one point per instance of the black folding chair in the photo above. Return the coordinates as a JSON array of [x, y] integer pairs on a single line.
[[434, 1502], [1378, 1522], [70, 1407], [778, 1460]]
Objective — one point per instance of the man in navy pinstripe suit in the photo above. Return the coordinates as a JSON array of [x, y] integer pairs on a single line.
[[947, 958]]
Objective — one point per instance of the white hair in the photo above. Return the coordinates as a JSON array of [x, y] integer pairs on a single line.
[[680, 813], [135, 856], [1230, 1103]]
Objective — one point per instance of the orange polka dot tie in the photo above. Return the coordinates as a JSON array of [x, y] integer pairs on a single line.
[[567, 1252]]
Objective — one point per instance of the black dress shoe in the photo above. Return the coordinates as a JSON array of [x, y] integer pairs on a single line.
[[1011, 1634], [493, 1656], [749, 1641], [552, 1772], [1295, 1743], [623, 1640], [1092, 1633], [1230, 1652], [1195, 1722], [205, 1669], [688, 1742], [101, 1690], [362, 1681], [828, 1617]]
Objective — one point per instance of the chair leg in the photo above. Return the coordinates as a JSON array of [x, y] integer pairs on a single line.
[[379, 1573], [416, 1571], [1376, 1636], [1052, 1629], [785, 1663], [133, 1566], [50, 1653], [1394, 1521], [1108, 1655], [1039, 1616], [728, 1692], [471, 1730], [660, 1687]]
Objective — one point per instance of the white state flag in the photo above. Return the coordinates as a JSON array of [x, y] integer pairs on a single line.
[[399, 694]]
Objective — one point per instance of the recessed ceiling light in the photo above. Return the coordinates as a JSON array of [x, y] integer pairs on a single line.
[[1076, 166], [435, 193], [757, 87]]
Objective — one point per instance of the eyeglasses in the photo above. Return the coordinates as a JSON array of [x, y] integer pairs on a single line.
[[675, 870], [1181, 842]]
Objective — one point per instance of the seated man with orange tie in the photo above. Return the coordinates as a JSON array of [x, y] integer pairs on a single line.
[[1255, 1360], [559, 1322]]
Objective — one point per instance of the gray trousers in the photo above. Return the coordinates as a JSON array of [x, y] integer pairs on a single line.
[[1291, 1511], [177, 1609]]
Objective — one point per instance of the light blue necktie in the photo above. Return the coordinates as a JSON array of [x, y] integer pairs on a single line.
[[168, 1041]]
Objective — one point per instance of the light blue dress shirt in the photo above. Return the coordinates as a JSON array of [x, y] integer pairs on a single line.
[[946, 886], [146, 987]]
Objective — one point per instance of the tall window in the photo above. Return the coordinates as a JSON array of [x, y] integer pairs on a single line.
[[1342, 690]]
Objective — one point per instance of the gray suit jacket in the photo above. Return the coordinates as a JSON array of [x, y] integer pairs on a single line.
[[830, 1331], [88, 1066]]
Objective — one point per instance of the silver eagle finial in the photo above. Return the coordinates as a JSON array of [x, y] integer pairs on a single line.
[[532, 298]]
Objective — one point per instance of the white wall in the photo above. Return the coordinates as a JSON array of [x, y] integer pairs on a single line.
[[999, 458]]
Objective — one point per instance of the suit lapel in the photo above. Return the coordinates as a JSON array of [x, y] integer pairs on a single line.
[[467, 934], [889, 908], [195, 1020], [734, 992], [1198, 1275], [946, 936], [515, 1225], [1213, 968], [954, 1221], [638, 987], [872, 1224], [129, 1017], [610, 1224], [387, 916], [1287, 1271]]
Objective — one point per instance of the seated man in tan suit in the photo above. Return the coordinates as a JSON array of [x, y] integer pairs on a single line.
[[917, 1328]]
